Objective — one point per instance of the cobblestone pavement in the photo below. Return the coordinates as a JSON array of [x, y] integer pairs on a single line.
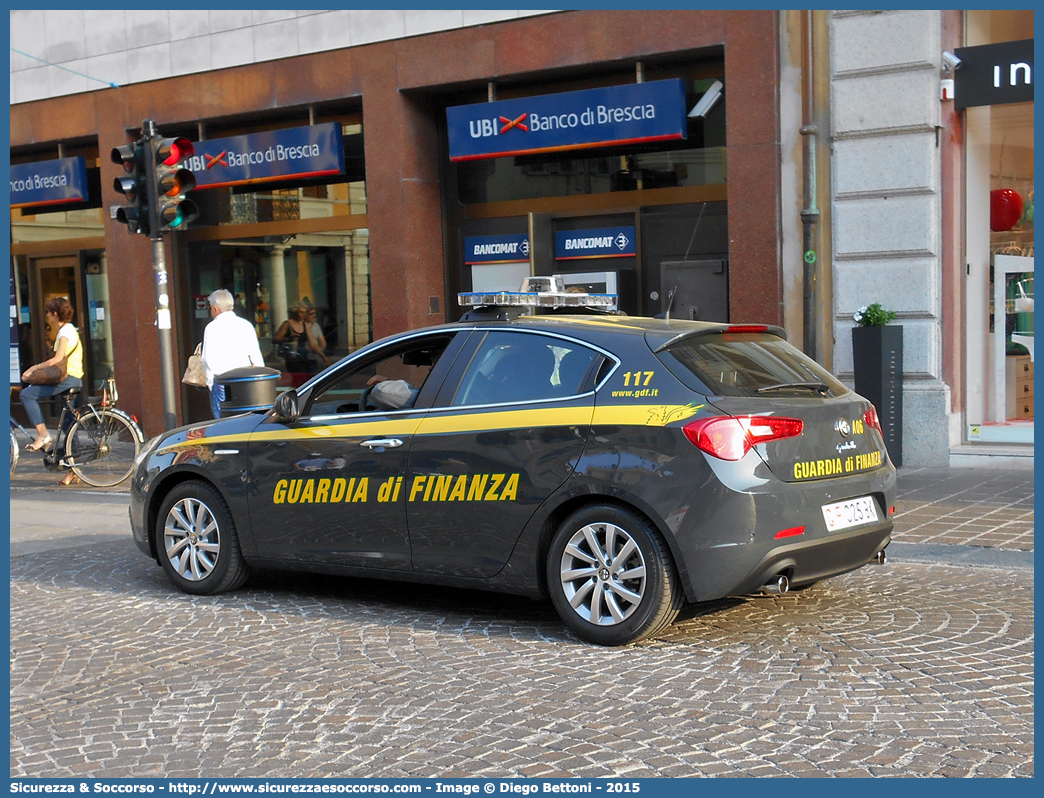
[[965, 506], [908, 669]]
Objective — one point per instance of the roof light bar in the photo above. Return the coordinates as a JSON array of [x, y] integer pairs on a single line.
[[537, 292]]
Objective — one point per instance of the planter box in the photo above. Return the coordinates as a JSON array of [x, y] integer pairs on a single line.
[[877, 354]]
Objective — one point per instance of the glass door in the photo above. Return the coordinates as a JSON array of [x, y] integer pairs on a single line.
[[98, 332], [55, 277]]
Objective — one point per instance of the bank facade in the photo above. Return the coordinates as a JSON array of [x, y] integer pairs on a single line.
[[364, 167]]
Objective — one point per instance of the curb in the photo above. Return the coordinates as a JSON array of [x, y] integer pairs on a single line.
[[973, 556]]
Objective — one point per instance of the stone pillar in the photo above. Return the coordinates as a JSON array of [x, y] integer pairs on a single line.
[[887, 203], [275, 278]]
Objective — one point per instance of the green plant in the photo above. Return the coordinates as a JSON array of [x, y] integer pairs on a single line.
[[873, 315]]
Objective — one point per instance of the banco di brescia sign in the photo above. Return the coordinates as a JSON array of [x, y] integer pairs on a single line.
[[299, 152], [54, 182], [610, 115]]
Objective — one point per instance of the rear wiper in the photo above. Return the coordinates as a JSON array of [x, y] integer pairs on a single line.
[[818, 387]]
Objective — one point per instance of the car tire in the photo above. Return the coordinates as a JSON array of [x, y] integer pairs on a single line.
[[197, 542], [611, 576]]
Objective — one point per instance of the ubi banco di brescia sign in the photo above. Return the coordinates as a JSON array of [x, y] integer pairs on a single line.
[[610, 115]]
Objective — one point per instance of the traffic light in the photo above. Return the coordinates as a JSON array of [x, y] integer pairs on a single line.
[[171, 182], [133, 185]]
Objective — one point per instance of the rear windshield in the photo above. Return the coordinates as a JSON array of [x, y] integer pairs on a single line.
[[748, 364]]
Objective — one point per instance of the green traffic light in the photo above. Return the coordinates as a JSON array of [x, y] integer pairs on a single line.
[[180, 214]]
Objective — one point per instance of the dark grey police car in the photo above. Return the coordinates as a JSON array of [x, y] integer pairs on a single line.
[[619, 466]]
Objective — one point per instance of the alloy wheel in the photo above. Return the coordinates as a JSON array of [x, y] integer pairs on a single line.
[[191, 539], [603, 574]]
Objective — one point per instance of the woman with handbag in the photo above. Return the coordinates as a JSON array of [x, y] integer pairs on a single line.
[[55, 375]]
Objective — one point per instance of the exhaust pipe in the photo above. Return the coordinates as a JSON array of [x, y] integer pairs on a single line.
[[881, 558], [780, 586]]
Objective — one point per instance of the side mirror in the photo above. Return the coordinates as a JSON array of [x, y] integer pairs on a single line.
[[286, 408]]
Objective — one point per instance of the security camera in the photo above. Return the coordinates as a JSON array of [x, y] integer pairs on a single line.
[[708, 100], [950, 62]]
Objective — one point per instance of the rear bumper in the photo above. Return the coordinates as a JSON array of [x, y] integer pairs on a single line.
[[729, 547], [812, 560]]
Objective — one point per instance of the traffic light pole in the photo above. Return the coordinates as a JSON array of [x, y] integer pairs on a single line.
[[159, 268]]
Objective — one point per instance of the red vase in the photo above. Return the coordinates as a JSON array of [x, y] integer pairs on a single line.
[[1005, 209]]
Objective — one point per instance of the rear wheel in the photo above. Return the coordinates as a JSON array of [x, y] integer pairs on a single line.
[[197, 542], [14, 452], [101, 447], [611, 576]]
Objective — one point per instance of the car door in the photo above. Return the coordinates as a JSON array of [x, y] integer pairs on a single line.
[[508, 427], [329, 484]]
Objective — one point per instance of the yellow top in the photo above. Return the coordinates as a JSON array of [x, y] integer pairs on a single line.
[[74, 366]]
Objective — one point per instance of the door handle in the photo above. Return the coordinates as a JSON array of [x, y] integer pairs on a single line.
[[381, 443]]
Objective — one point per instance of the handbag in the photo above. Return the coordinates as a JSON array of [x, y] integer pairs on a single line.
[[194, 370], [50, 375]]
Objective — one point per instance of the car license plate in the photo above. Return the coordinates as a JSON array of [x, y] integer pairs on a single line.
[[853, 512]]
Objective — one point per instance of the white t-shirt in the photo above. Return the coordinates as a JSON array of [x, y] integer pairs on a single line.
[[73, 350], [229, 342]]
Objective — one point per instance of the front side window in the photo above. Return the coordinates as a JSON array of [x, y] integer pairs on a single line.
[[520, 367], [391, 380]]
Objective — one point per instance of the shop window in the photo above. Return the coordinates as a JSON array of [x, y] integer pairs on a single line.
[[308, 296], [999, 241]]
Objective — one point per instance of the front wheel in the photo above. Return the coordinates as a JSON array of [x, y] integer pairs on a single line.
[[101, 447], [611, 576], [197, 542], [14, 452]]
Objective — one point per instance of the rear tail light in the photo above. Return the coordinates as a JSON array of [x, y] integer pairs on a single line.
[[871, 419], [729, 438]]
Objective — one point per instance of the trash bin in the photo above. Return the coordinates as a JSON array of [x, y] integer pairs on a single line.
[[247, 389]]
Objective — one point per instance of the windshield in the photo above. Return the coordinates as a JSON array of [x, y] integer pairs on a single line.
[[748, 364]]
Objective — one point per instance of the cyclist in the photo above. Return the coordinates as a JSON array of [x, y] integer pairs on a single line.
[[59, 313]]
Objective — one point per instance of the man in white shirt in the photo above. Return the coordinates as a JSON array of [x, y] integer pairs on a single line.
[[229, 342]]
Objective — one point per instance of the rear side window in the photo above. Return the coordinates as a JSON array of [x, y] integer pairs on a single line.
[[521, 367], [748, 364]]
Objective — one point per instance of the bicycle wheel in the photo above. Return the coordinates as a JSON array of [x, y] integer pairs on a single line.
[[14, 452], [101, 447]]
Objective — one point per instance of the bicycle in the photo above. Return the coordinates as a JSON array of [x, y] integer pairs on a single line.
[[14, 444], [99, 442]]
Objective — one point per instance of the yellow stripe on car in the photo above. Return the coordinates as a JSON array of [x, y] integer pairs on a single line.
[[469, 420]]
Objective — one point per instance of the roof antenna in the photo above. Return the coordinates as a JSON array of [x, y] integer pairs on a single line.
[[670, 297], [670, 304]]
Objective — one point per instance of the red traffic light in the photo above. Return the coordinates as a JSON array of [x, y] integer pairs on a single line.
[[170, 152]]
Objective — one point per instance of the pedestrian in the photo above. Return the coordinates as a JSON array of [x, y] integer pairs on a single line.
[[58, 313], [316, 339], [229, 342], [292, 339]]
